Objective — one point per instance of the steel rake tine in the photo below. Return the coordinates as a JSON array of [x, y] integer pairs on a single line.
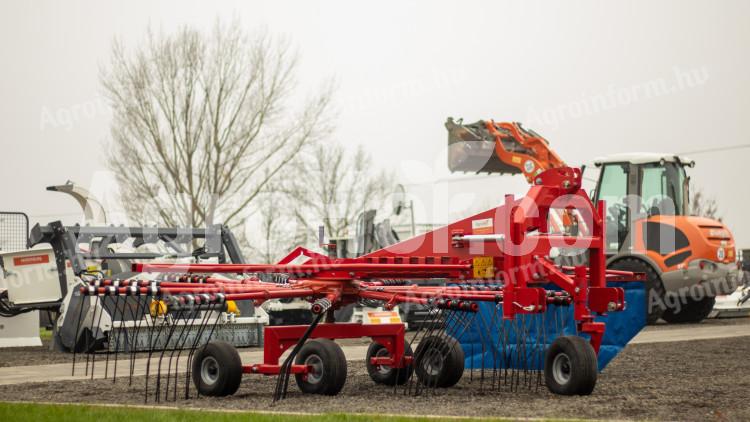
[[543, 353], [77, 333], [282, 382], [424, 323], [167, 341], [93, 334], [198, 339], [213, 327], [471, 370], [116, 340], [141, 305], [495, 351], [110, 340], [460, 322], [151, 347], [482, 333], [430, 350], [294, 353], [138, 314], [90, 350], [122, 331], [451, 319], [179, 344], [437, 316]]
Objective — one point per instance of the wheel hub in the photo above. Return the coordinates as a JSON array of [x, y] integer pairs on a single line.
[[561, 370], [433, 364], [383, 369], [209, 370], [315, 374]]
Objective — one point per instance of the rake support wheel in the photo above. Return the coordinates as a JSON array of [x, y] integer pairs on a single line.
[[570, 366], [387, 375], [328, 367], [439, 361], [217, 369]]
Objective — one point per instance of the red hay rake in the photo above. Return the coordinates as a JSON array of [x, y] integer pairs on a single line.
[[501, 258]]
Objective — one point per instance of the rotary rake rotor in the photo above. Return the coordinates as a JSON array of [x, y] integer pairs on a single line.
[[507, 311]]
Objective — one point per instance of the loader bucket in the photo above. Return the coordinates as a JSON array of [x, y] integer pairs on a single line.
[[472, 149]]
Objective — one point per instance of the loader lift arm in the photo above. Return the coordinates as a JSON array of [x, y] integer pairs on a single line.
[[506, 148]]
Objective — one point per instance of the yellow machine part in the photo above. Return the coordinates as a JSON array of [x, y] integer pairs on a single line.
[[232, 308], [157, 308]]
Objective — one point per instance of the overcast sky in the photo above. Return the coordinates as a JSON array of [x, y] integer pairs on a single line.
[[401, 69]]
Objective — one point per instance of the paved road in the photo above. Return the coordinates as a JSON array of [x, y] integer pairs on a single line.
[[712, 329]]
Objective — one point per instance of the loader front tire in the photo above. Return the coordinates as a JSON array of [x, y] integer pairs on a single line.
[[570, 366], [692, 311], [654, 287]]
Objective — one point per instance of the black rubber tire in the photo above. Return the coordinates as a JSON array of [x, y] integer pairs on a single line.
[[225, 365], [444, 351], [653, 285], [384, 374], [693, 311], [330, 376], [576, 370]]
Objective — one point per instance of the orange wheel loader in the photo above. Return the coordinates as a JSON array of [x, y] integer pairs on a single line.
[[688, 260]]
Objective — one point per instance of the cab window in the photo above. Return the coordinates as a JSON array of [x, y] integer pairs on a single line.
[[662, 189], [613, 188]]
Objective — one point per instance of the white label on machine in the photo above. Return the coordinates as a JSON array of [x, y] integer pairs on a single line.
[[483, 226], [31, 276], [382, 317]]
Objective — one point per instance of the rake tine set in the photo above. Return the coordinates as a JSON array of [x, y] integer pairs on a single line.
[[155, 330], [523, 320]]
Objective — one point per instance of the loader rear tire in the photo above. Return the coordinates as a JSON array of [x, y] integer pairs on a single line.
[[654, 287], [328, 363], [217, 369], [570, 366], [693, 311], [387, 375], [439, 361]]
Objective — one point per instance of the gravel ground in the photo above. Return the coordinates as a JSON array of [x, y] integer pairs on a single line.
[[24, 356], [662, 381], [44, 355]]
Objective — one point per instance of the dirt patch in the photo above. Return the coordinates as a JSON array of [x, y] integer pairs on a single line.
[[696, 381], [26, 356]]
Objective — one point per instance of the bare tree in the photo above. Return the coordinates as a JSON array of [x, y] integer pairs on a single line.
[[274, 231], [203, 123], [703, 206], [334, 187]]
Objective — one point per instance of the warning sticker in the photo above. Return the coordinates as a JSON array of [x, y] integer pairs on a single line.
[[484, 267], [30, 260], [483, 226], [383, 317]]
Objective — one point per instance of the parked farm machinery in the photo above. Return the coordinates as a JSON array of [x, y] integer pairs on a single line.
[[543, 324], [48, 278]]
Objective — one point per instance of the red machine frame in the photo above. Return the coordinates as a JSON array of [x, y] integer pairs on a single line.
[[514, 236]]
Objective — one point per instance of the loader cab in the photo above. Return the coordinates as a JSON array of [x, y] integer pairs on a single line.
[[638, 186]]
